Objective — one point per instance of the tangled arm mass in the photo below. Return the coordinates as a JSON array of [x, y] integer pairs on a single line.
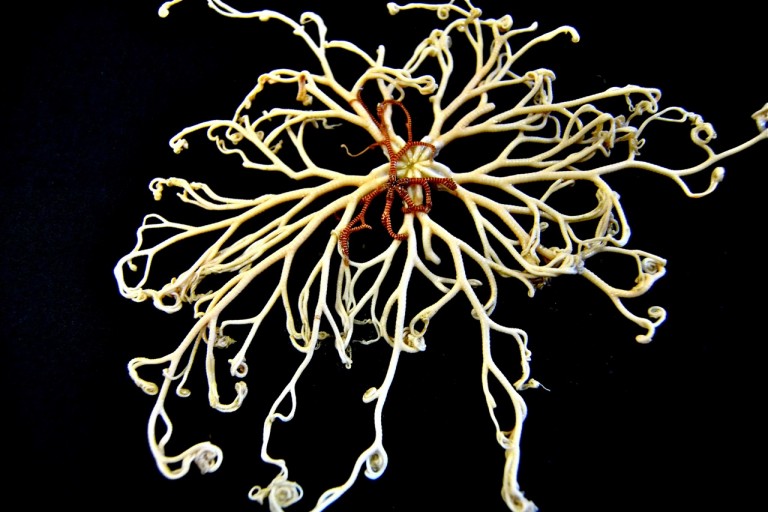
[[469, 71]]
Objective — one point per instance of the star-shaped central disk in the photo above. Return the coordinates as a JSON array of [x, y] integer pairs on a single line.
[[409, 179]]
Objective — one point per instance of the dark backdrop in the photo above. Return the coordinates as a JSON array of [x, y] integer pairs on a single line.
[[92, 93]]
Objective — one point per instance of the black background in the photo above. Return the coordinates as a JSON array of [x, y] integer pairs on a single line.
[[93, 92]]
